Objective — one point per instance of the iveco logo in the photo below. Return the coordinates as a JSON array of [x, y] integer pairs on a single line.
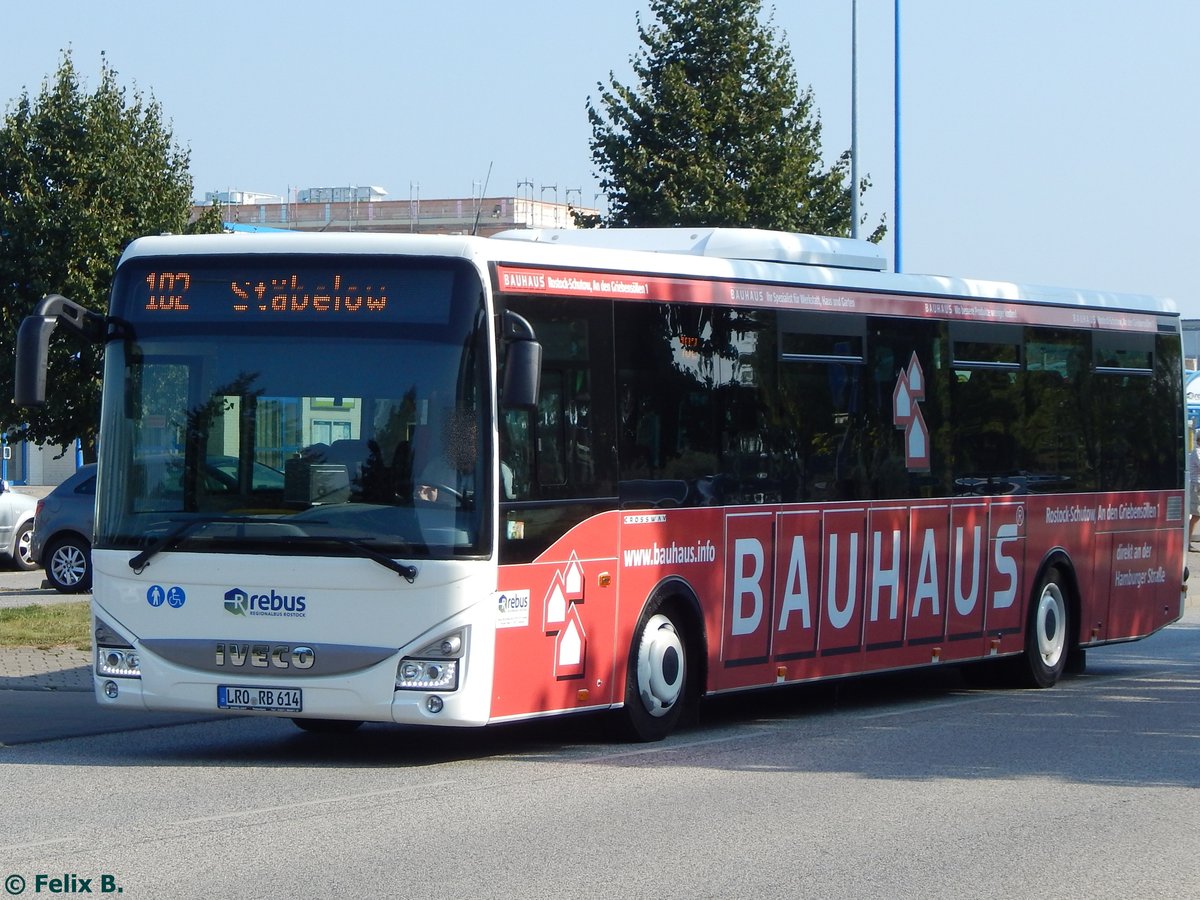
[[264, 656]]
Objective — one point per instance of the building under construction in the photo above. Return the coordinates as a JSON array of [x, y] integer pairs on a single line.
[[368, 209]]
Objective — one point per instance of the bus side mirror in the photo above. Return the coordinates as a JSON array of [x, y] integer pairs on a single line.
[[33, 343], [33, 347], [522, 375], [522, 364]]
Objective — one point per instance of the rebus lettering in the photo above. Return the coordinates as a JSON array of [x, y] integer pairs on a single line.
[[274, 602]]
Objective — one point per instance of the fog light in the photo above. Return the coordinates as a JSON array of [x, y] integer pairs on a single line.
[[111, 690], [434, 704]]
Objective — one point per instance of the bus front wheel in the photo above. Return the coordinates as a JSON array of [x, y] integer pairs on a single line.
[[1047, 641], [656, 680]]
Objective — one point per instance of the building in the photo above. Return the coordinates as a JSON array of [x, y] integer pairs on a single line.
[[366, 209], [238, 198], [1191, 344]]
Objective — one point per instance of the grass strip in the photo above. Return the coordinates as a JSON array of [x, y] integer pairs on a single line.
[[46, 626]]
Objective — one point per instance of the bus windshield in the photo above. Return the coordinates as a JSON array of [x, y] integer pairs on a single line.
[[280, 405]]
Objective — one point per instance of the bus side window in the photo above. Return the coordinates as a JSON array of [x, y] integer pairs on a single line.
[[550, 437], [516, 455], [565, 448]]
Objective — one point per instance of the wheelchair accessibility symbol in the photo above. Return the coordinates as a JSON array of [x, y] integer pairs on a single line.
[[174, 597]]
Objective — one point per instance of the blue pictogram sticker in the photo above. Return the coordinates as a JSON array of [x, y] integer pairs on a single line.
[[156, 595], [176, 597]]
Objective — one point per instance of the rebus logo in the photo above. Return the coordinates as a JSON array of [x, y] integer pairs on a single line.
[[237, 602], [242, 603]]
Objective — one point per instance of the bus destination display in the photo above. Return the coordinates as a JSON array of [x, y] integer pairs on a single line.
[[289, 295]]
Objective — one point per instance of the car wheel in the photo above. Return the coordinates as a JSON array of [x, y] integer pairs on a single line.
[[23, 551], [69, 565]]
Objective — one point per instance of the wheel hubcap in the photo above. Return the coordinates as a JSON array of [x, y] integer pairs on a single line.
[[25, 548], [68, 565], [660, 666], [1051, 636]]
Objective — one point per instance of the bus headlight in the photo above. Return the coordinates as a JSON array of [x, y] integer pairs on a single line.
[[115, 656], [435, 666], [427, 674], [118, 662]]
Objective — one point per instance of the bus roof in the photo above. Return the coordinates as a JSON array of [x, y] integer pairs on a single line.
[[721, 243], [708, 253]]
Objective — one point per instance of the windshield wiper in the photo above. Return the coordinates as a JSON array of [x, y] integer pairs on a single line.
[[172, 537], [175, 535], [409, 573]]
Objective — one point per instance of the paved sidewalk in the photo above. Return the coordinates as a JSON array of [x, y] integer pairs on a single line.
[[55, 669]]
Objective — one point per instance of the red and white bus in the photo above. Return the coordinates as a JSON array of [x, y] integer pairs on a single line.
[[455, 480]]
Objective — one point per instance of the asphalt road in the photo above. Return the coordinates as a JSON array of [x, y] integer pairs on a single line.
[[23, 588], [914, 786]]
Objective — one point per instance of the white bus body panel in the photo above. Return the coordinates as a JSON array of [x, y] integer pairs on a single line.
[[348, 602]]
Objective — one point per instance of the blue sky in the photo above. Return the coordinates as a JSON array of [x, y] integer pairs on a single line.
[[1043, 141]]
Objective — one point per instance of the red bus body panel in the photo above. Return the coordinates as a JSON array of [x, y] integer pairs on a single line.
[[800, 592]]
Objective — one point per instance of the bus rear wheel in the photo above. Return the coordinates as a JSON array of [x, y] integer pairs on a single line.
[[656, 678], [1047, 634]]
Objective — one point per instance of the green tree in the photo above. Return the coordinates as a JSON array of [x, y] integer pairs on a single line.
[[715, 131], [81, 175]]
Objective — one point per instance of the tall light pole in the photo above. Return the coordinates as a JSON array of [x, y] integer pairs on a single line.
[[854, 213], [896, 127]]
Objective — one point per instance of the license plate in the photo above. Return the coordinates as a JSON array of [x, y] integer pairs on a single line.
[[259, 698]]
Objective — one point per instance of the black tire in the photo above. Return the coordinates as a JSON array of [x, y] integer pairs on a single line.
[[68, 563], [327, 726], [23, 549], [1076, 661], [658, 673], [1047, 633]]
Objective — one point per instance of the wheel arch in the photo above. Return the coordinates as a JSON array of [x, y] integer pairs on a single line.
[[677, 594], [1060, 560], [64, 533]]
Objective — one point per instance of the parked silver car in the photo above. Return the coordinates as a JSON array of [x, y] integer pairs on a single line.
[[16, 527], [62, 532]]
